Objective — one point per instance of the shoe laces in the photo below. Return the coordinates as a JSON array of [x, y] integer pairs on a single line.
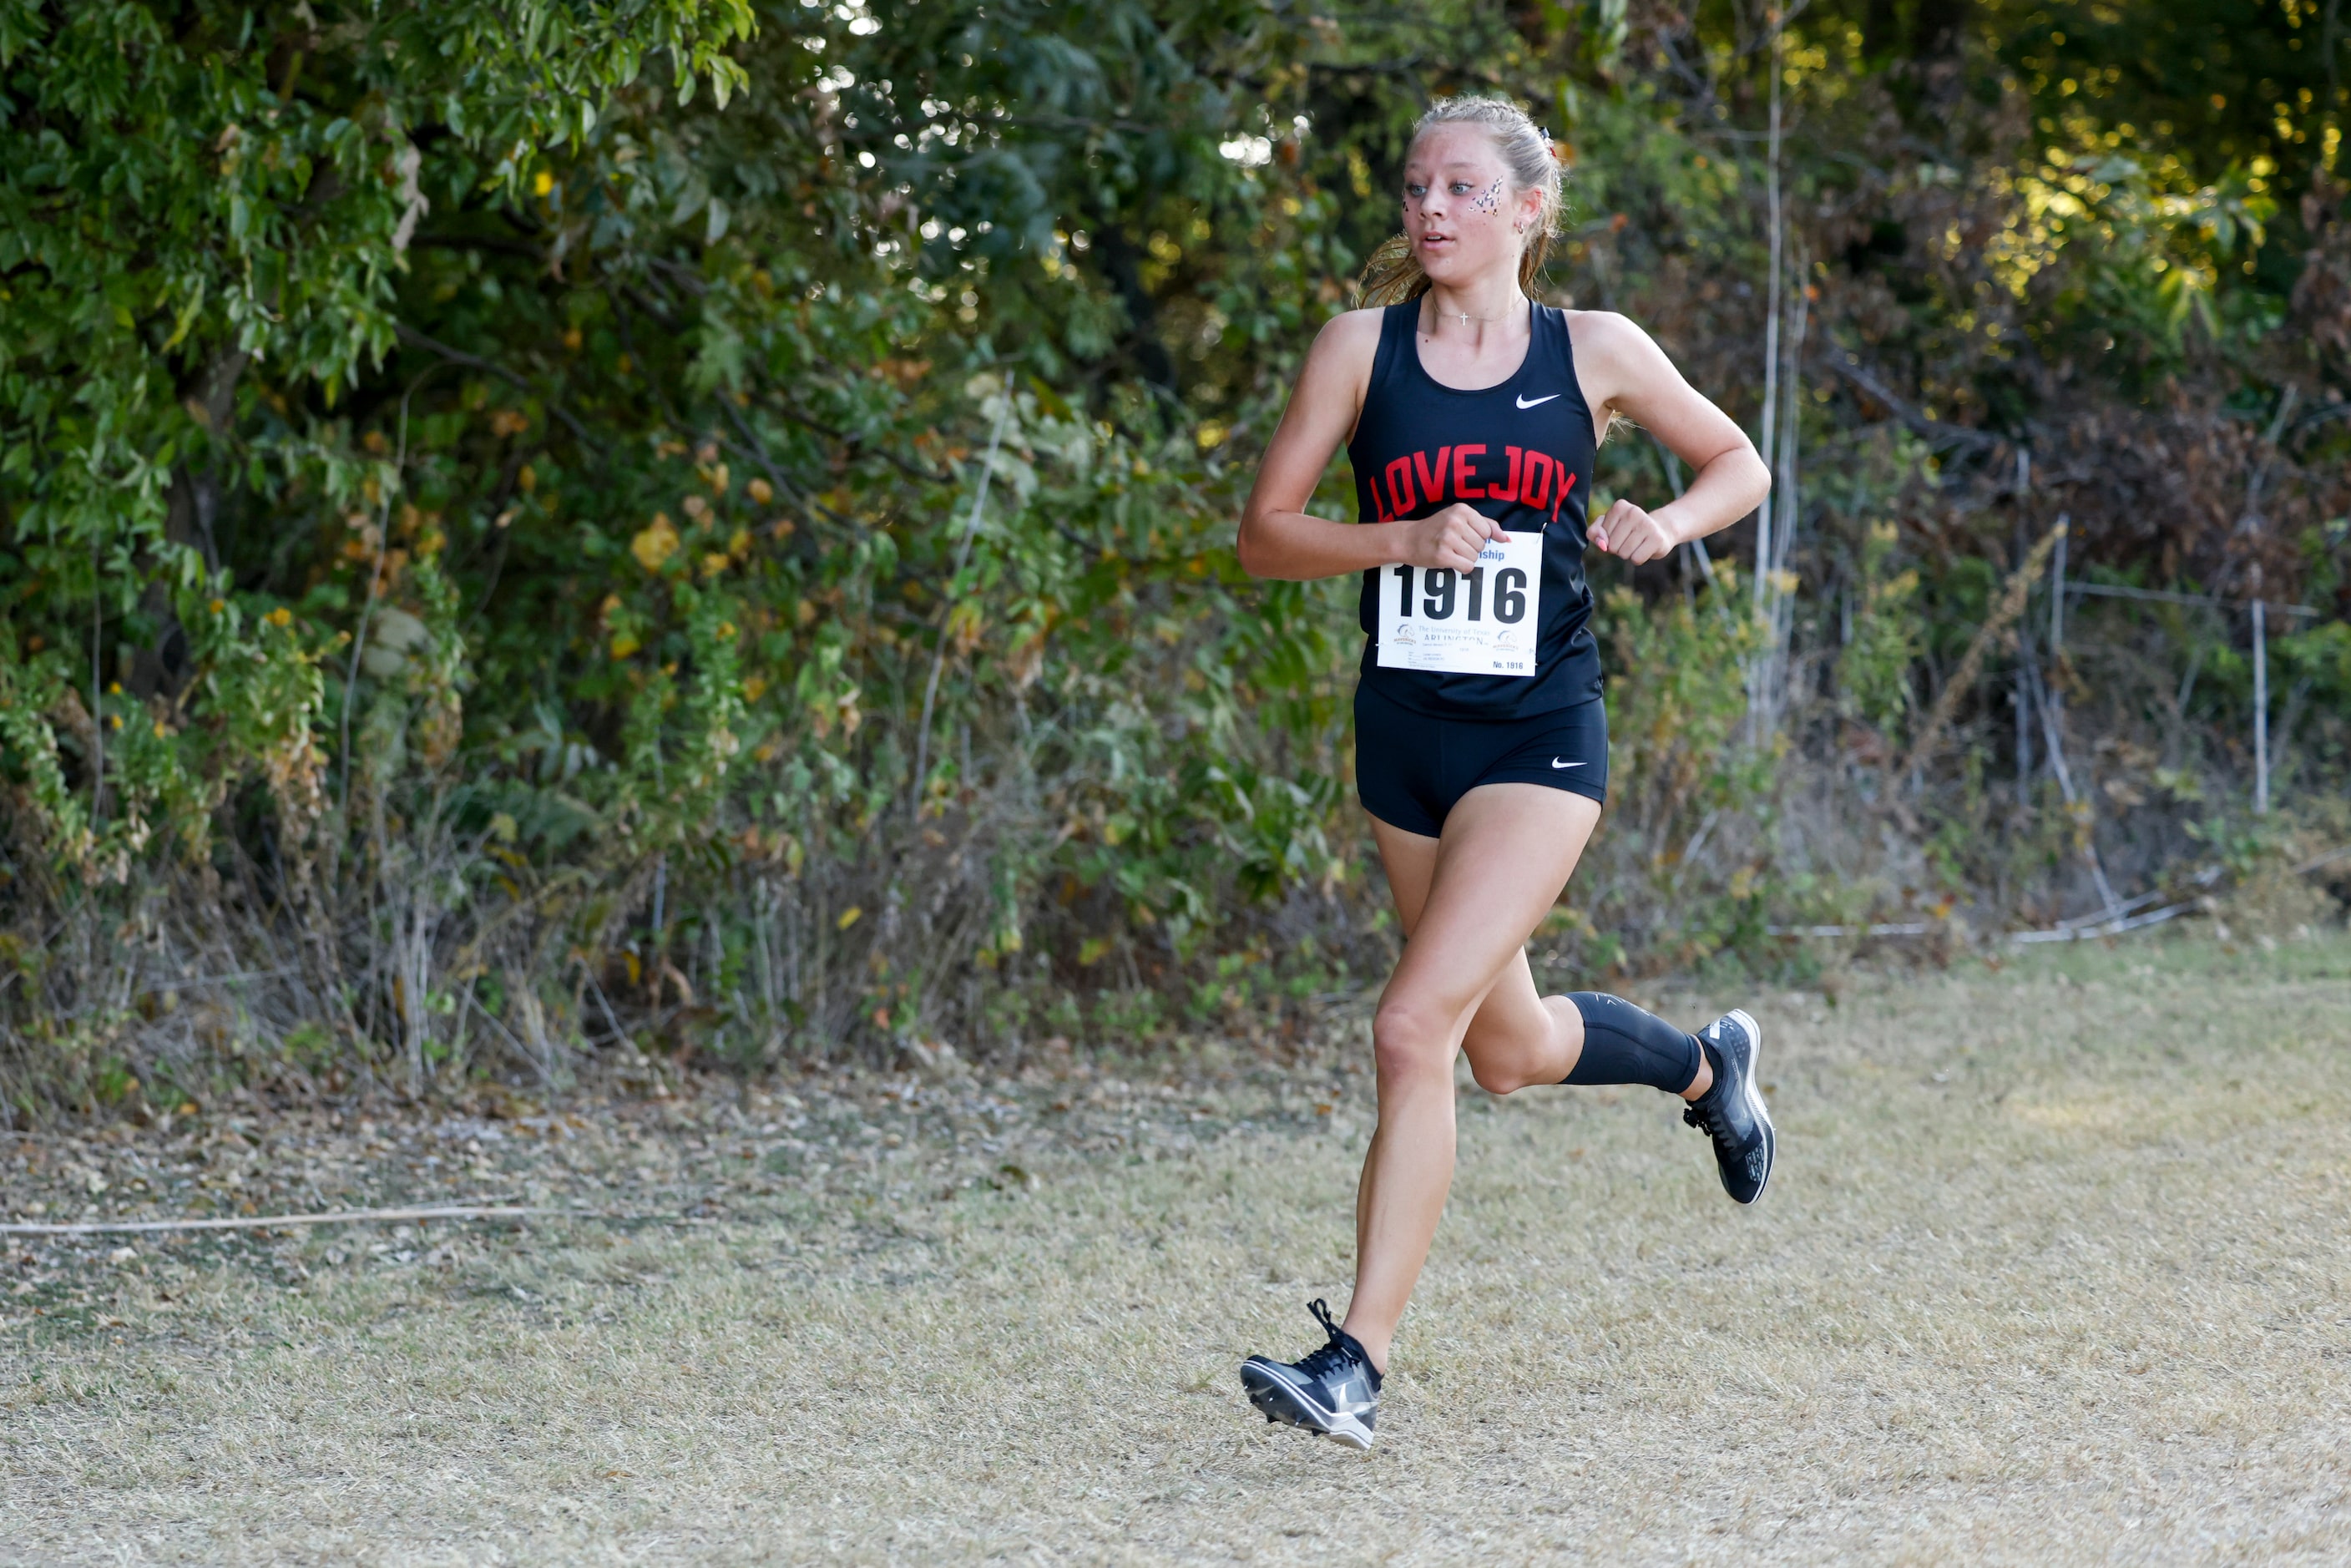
[[1338, 1353], [1698, 1114]]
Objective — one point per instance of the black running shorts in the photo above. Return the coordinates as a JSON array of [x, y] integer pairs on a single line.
[[1410, 767]]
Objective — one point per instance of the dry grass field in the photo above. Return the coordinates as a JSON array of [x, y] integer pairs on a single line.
[[2056, 1268]]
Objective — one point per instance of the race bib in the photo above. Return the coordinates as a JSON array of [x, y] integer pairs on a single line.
[[1481, 622]]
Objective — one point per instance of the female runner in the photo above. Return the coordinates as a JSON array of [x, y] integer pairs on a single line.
[[1470, 415]]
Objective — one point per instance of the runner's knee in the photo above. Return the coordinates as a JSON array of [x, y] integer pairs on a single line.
[[1411, 1039], [1505, 1073]]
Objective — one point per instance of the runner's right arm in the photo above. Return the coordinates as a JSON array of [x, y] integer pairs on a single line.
[[1279, 539]]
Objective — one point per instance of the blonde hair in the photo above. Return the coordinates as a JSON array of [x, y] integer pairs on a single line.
[[1394, 274]]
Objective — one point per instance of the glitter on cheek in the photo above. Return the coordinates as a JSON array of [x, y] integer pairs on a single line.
[[1489, 200]]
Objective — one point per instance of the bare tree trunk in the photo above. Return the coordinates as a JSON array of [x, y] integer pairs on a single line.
[[1777, 230], [963, 553], [1786, 501], [2023, 695], [1759, 669]]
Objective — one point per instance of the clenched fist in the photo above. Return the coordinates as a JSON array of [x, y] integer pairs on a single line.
[[1633, 534], [1452, 538]]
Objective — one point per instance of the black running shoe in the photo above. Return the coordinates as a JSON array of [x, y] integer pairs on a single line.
[[1732, 1110], [1335, 1392]]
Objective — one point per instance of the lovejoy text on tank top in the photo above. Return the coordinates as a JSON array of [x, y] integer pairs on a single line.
[[1522, 453]]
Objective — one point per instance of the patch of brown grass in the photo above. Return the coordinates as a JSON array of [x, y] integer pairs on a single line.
[[2054, 1268]]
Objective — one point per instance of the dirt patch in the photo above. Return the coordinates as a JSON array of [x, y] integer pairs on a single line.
[[821, 1151]]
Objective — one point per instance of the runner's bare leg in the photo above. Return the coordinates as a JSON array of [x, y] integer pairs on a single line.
[[1506, 851], [1517, 1038]]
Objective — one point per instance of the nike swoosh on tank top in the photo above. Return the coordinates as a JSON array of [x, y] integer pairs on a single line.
[[1522, 453]]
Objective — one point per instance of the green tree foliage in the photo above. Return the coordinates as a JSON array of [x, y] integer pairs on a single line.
[[194, 228], [1874, 670], [708, 520]]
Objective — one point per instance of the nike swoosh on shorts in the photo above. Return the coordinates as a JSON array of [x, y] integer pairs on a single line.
[[1555, 762], [1526, 402]]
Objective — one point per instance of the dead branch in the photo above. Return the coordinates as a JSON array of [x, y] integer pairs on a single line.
[[2004, 615]]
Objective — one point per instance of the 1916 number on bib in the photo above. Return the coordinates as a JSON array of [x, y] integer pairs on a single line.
[[1481, 622]]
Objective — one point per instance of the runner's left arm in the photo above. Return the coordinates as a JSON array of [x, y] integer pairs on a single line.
[[1625, 374]]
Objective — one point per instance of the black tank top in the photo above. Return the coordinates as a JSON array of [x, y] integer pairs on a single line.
[[1522, 453]]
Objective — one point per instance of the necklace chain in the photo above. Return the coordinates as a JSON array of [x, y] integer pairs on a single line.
[[1466, 319]]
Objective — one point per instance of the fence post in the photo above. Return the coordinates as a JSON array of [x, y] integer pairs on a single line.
[[2261, 709]]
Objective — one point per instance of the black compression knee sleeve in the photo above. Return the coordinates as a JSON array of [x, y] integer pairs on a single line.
[[1623, 1044]]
